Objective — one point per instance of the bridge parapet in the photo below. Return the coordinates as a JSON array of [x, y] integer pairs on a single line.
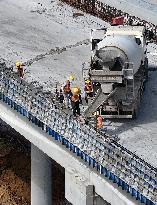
[[108, 158], [106, 12]]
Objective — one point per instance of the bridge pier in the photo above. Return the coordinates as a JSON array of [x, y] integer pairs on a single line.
[[77, 189], [41, 178]]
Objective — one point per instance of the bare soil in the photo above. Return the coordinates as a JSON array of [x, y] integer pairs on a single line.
[[15, 172]]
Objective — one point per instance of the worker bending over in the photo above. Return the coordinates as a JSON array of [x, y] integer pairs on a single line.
[[99, 122], [19, 67]]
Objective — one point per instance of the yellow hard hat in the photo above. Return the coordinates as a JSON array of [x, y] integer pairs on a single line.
[[87, 81], [75, 91], [18, 63], [72, 77]]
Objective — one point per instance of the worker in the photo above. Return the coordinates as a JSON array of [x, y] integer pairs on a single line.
[[88, 89], [75, 101], [61, 98], [99, 124], [67, 93], [72, 79], [56, 95], [19, 67]]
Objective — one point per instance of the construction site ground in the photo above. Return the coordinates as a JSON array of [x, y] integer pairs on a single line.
[[14, 168], [53, 40]]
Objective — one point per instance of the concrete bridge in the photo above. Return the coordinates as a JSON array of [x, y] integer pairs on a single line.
[[97, 171]]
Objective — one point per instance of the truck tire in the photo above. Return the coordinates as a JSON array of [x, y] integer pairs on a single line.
[[137, 107], [146, 69], [135, 114]]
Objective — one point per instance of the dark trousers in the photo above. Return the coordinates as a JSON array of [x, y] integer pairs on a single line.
[[20, 71], [76, 108]]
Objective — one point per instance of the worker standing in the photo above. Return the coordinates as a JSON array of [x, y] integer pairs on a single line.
[[19, 67], [88, 89], [56, 95], [99, 124], [61, 98], [67, 93], [75, 101], [72, 79]]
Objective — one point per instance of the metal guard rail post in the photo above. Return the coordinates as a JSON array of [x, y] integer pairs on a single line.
[[109, 159]]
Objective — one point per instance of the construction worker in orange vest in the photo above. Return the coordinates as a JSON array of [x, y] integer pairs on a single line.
[[19, 67], [75, 101], [88, 89], [99, 123], [67, 93]]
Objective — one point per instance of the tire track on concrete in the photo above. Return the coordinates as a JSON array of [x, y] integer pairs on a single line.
[[56, 50]]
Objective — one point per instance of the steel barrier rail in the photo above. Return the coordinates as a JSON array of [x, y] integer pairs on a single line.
[[108, 158], [106, 12]]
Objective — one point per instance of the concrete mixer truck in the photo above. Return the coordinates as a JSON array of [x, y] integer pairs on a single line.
[[118, 71]]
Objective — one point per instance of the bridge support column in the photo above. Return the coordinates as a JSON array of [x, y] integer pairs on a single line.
[[41, 179], [98, 200], [77, 189]]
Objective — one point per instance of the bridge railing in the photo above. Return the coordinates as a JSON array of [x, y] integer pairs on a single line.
[[109, 158], [106, 12]]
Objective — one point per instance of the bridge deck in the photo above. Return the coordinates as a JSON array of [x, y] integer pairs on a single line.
[[139, 135], [21, 41]]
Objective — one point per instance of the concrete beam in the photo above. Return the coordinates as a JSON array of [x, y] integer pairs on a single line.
[[41, 178], [98, 200], [110, 192]]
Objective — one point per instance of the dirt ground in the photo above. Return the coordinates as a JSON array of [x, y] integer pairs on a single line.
[[15, 169]]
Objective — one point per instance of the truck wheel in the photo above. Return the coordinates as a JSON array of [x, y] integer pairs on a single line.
[[146, 69], [144, 85], [134, 115], [136, 109]]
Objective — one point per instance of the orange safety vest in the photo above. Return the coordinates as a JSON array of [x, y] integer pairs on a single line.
[[67, 89], [75, 98], [20, 70], [99, 122], [20, 67]]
